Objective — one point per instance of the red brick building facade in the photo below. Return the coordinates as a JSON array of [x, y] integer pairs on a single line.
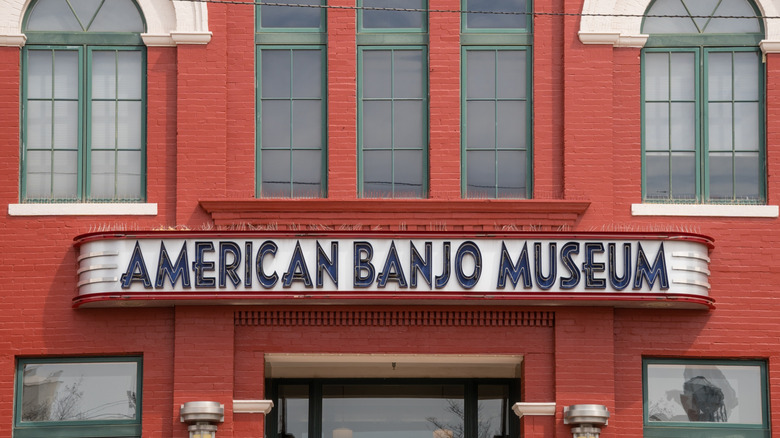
[[588, 178]]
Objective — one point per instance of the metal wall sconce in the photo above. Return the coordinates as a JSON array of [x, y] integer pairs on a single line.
[[586, 420], [200, 415]]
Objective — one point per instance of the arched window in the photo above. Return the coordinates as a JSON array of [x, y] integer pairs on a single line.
[[83, 102], [703, 103]]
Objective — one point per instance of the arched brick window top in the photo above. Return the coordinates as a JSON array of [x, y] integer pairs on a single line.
[[619, 23], [168, 23]]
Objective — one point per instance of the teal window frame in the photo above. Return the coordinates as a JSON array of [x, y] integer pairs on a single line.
[[290, 38], [77, 429], [701, 146], [497, 148], [392, 149], [315, 401], [675, 429], [498, 35], [497, 39], [391, 39], [85, 101]]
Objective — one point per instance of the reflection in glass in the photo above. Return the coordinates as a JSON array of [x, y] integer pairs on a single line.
[[379, 14], [392, 411], [79, 391], [308, 15], [704, 393], [293, 411], [502, 14]]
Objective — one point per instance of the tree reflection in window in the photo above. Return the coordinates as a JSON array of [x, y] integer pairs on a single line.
[[54, 392]]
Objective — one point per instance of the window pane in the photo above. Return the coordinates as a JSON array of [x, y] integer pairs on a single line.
[[64, 183], [39, 73], [704, 393], [720, 126], [53, 15], [408, 121], [38, 174], [510, 65], [746, 126], [79, 391], [721, 176], [307, 124], [129, 129], [377, 70], [492, 410], [117, 16], [276, 122], [656, 126], [130, 74], [501, 18], [511, 124], [480, 174], [397, 410], [747, 171], [275, 73], [683, 126], [683, 176], [655, 22], [39, 123], [481, 74], [682, 76], [103, 75], [276, 176], [129, 175], [66, 126], [408, 72], [657, 176], [511, 174], [377, 174], [408, 174], [656, 71], [390, 19], [293, 411], [480, 124], [731, 9], [719, 76], [85, 9], [103, 175], [291, 16], [377, 119], [306, 75], [103, 125], [307, 174], [746, 75]]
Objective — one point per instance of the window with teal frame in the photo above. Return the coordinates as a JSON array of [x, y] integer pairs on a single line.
[[392, 99], [496, 153], [703, 129], [83, 102], [401, 408], [686, 398], [78, 397], [291, 100]]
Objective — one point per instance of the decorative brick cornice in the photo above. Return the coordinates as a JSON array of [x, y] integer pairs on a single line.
[[396, 215], [474, 318]]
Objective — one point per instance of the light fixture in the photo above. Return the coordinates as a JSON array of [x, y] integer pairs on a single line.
[[200, 415], [585, 419]]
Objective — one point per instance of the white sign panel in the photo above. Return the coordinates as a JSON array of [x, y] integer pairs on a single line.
[[165, 268]]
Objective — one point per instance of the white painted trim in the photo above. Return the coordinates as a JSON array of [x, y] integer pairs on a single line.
[[163, 18], [83, 209], [12, 40], [624, 17], [252, 406], [191, 37], [531, 408], [757, 211], [768, 46]]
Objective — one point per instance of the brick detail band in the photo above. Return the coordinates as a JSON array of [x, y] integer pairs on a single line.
[[477, 318]]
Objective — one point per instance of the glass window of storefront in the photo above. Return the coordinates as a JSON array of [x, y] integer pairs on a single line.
[[384, 408]]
